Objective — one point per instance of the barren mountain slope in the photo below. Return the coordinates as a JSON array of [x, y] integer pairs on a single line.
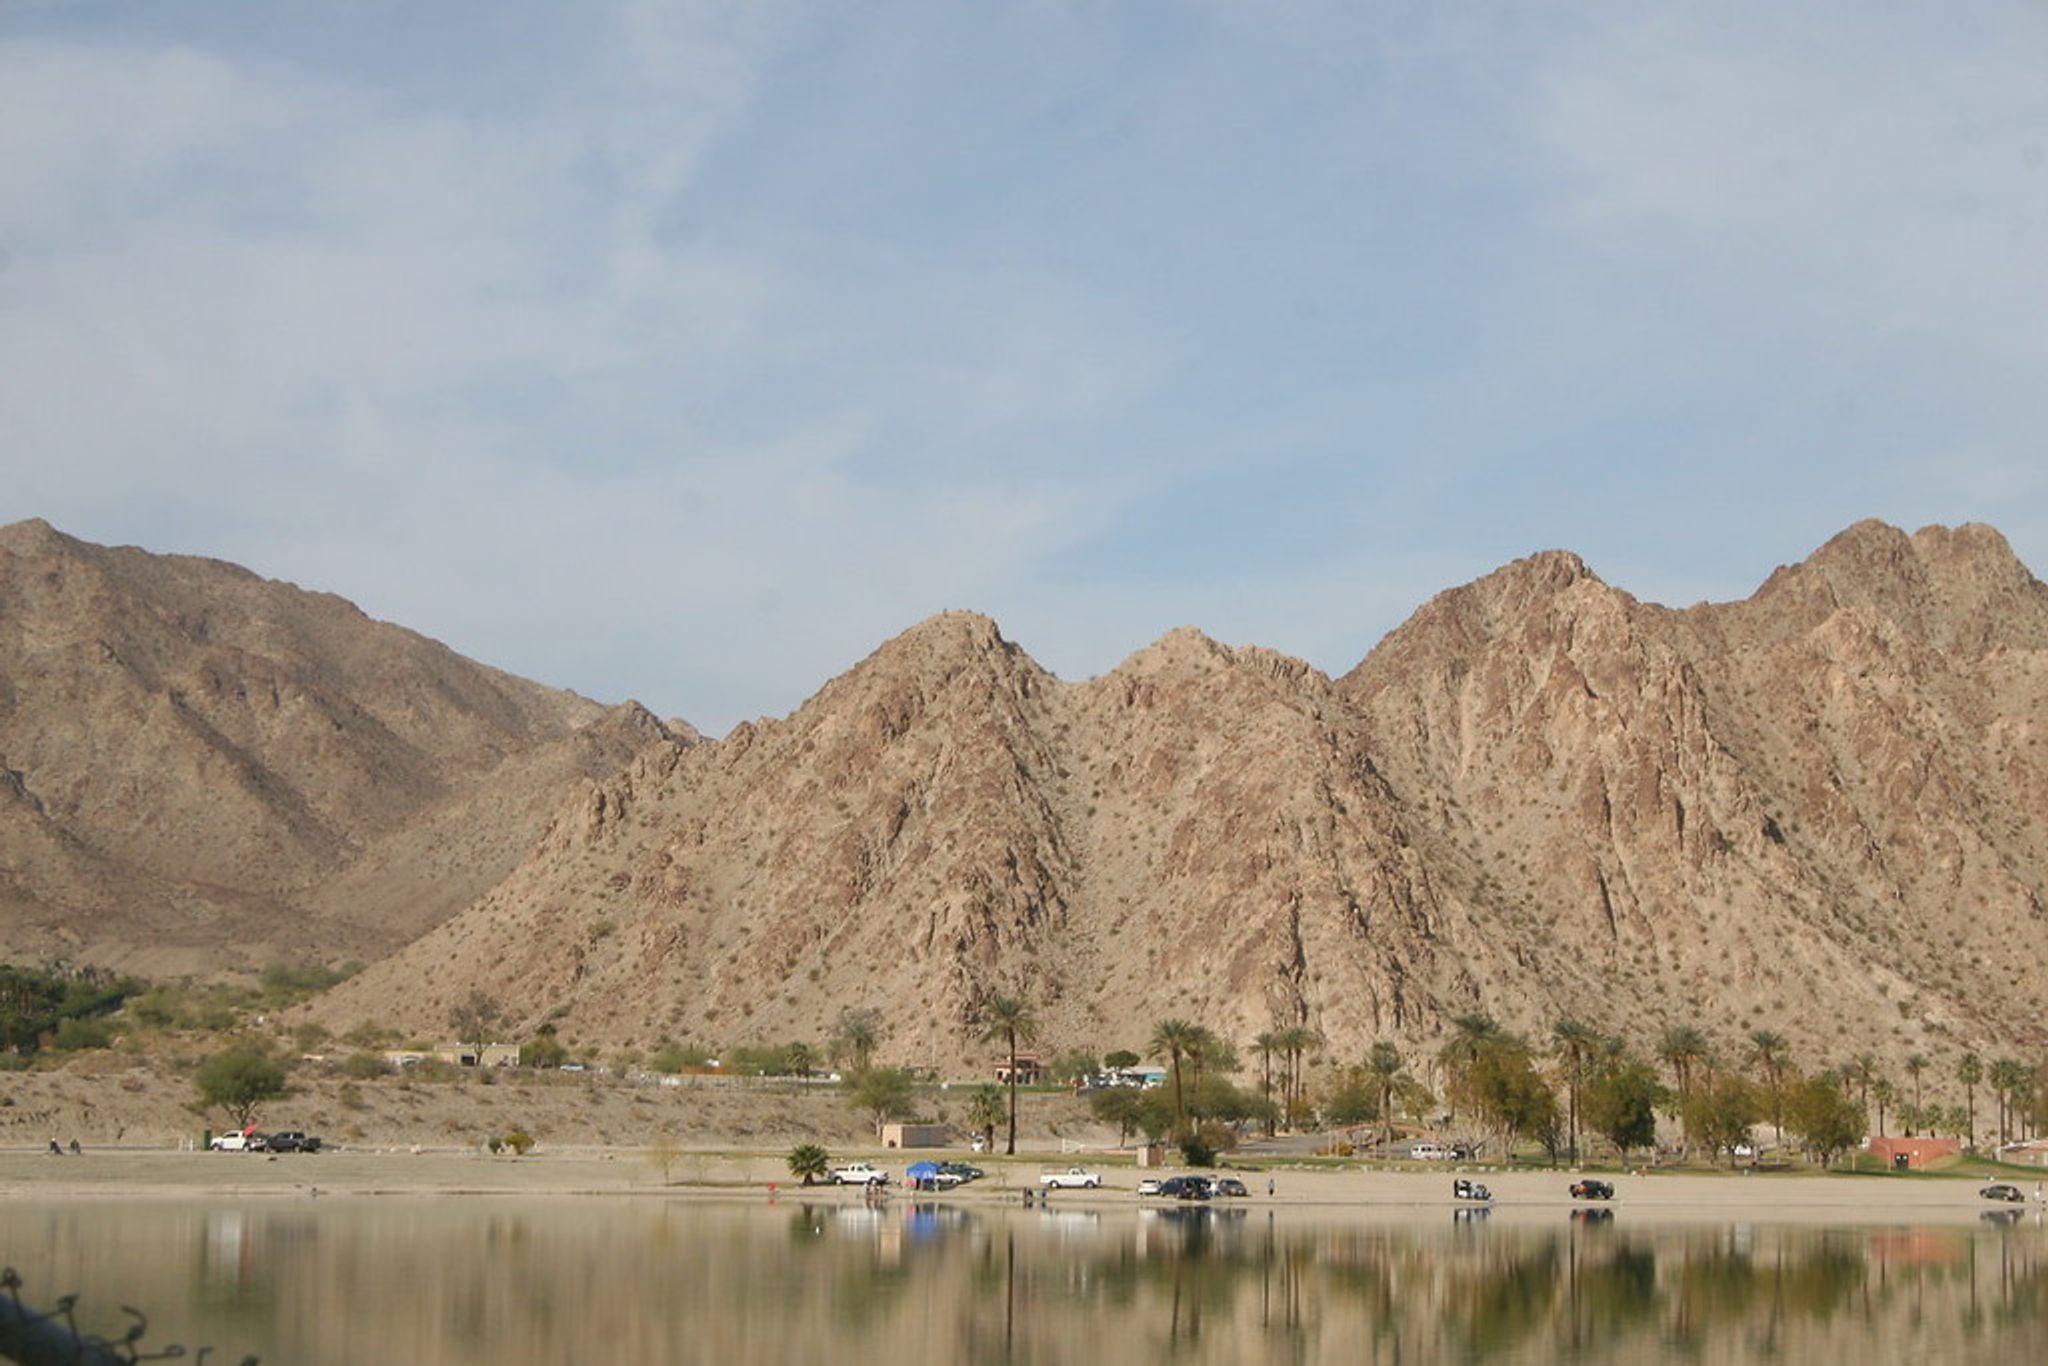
[[1776, 813], [192, 754], [1813, 811], [1809, 812], [892, 844]]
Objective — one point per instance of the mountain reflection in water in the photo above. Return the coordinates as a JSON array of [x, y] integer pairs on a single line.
[[554, 1281]]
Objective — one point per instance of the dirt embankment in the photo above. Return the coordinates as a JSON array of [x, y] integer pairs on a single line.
[[139, 1107]]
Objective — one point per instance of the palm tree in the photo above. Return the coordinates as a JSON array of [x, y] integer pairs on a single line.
[[1207, 1051], [1681, 1047], [1862, 1070], [809, 1161], [1384, 1062], [1009, 1019], [855, 1035], [1266, 1045], [1471, 1036], [1768, 1048], [1176, 1039], [800, 1058], [1294, 1042], [1916, 1063], [1970, 1071], [984, 1112], [1576, 1044], [1886, 1093], [2008, 1078]]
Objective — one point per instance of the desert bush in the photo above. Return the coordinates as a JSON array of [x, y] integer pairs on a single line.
[[74, 1035]]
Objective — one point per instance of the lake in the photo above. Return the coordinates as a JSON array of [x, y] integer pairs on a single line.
[[382, 1280]]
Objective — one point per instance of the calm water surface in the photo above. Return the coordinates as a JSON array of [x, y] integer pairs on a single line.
[[334, 1282]]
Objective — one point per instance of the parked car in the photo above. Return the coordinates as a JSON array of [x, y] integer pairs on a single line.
[[1588, 1189], [2002, 1190], [1463, 1189], [1429, 1152], [291, 1141], [960, 1172], [238, 1141], [859, 1174], [1149, 1186], [1073, 1178], [1227, 1185], [1185, 1188]]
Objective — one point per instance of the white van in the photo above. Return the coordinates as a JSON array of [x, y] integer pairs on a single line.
[[1430, 1152]]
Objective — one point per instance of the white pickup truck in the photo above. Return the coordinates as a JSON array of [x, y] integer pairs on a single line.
[[1073, 1178], [859, 1174]]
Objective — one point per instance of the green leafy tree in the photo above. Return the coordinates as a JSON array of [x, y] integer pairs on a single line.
[[1123, 1106], [1012, 1020], [808, 1163], [238, 1082], [1620, 1104], [801, 1057], [1351, 1100], [1826, 1121], [882, 1093], [1121, 1059], [543, 1049], [1721, 1110], [1511, 1097]]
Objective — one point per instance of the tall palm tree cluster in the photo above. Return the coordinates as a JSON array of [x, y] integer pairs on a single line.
[[1499, 1088], [1496, 1088]]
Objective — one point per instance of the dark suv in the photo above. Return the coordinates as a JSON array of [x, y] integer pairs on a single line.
[[291, 1141], [1185, 1188], [1589, 1189]]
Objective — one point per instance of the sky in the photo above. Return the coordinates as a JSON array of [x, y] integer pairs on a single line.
[[687, 351]]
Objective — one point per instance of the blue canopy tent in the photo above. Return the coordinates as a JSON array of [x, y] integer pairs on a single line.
[[922, 1176]]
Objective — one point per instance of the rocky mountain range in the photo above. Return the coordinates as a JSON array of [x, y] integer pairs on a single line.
[[201, 769], [1815, 810]]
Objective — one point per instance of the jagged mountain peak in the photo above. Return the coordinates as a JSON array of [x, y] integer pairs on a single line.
[[1951, 587]]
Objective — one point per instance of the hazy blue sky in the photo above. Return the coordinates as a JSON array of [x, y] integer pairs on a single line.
[[687, 351]]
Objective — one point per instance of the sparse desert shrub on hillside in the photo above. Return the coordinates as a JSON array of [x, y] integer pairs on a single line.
[[543, 1050], [365, 1066], [309, 1036], [287, 984], [73, 1035]]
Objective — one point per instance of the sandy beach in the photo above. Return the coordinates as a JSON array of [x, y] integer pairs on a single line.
[[1328, 1190]]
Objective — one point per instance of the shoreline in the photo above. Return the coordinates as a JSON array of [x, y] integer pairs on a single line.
[[32, 1177]]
